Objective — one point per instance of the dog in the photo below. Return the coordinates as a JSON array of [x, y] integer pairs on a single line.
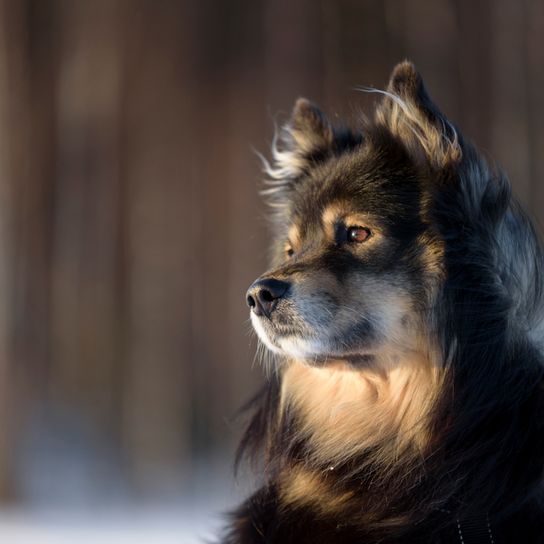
[[404, 312]]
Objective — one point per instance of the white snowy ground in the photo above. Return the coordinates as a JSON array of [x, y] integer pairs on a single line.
[[150, 525], [72, 493], [196, 518]]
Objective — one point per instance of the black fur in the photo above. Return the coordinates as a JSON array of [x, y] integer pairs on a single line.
[[485, 457]]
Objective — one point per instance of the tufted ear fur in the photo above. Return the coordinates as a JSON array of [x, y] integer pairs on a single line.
[[409, 114], [307, 139], [307, 135]]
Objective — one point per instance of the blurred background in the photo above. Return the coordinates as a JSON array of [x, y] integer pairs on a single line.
[[130, 224]]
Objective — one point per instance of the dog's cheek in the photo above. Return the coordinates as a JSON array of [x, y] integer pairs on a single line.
[[382, 301]]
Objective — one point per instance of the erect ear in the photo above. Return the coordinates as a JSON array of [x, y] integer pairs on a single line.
[[408, 112], [310, 130], [307, 139], [306, 136]]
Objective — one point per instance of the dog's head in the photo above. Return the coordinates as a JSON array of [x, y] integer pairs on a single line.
[[357, 259]]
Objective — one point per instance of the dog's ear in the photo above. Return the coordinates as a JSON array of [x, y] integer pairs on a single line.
[[307, 138], [305, 141], [408, 112], [310, 130]]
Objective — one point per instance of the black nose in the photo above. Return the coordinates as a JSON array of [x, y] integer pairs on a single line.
[[263, 295]]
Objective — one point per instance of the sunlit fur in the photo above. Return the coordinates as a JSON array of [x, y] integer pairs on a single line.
[[406, 385]]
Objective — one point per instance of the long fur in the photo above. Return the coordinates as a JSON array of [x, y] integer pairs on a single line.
[[448, 423]]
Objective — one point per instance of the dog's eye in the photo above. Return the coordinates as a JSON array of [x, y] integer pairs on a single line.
[[289, 251], [358, 234]]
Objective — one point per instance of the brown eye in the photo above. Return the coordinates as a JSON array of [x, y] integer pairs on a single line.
[[358, 234], [289, 251]]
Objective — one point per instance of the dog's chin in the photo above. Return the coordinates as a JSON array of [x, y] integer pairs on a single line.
[[315, 354], [310, 351]]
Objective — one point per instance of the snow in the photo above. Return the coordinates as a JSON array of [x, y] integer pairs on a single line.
[[138, 525]]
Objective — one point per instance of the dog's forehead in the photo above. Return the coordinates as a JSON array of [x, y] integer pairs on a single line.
[[366, 184], [344, 185]]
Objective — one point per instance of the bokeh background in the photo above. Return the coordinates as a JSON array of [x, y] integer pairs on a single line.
[[130, 224]]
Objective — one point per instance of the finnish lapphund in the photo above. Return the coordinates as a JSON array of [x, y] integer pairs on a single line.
[[404, 311]]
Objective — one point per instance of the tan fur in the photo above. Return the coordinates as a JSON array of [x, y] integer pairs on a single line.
[[432, 255], [346, 411], [330, 216], [342, 211], [307, 142], [293, 236], [302, 486], [405, 119]]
